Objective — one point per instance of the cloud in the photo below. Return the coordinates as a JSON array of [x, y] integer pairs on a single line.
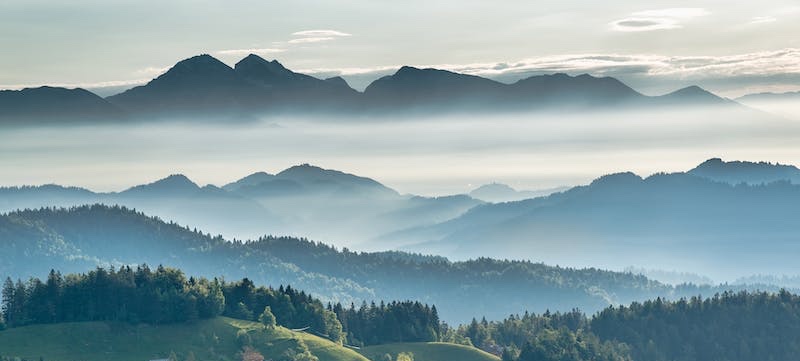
[[768, 66], [310, 40], [260, 51], [152, 71], [644, 24], [762, 20], [96, 85], [659, 19], [320, 33]]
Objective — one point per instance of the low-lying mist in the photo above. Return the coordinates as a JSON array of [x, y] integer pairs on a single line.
[[426, 156]]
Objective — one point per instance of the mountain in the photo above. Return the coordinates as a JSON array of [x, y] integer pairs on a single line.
[[273, 75], [78, 239], [52, 105], [498, 192], [333, 205], [573, 92], [303, 200], [757, 97], [786, 105], [665, 221], [414, 87], [204, 87], [194, 86], [692, 96], [736, 172]]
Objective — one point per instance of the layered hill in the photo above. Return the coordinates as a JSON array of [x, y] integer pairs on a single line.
[[80, 239], [303, 200], [717, 219]]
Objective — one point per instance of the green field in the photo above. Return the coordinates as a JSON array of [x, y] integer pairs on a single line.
[[429, 351], [213, 339]]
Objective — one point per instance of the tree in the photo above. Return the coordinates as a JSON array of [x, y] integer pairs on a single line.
[[267, 318], [405, 356], [8, 301]]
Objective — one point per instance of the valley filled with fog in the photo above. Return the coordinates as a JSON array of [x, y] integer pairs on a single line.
[[430, 156]]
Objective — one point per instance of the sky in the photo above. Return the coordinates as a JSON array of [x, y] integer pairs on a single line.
[[729, 47]]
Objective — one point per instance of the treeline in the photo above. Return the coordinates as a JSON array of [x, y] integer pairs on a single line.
[[291, 308], [544, 337], [407, 321], [166, 295], [740, 326], [158, 296], [731, 326]]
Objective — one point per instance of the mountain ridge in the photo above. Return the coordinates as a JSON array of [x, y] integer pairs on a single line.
[[204, 87]]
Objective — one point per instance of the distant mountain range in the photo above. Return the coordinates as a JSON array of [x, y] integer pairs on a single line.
[[793, 96], [688, 221], [498, 192], [203, 86], [303, 200], [720, 218]]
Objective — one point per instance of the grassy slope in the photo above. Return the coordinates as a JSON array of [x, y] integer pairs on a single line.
[[429, 351], [213, 339]]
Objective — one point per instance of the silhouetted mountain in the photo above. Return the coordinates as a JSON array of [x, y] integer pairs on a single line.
[[316, 177], [273, 76], [692, 96], [498, 192], [194, 85], [204, 87], [79, 239], [664, 221], [176, 184], [251, 180], [54, 105], [411, 86], [566, 91], [736, 172]]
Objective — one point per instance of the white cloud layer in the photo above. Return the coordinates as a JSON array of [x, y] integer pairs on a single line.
[[659, 19], [763, 20], [750, 64], [320, 33], [310, 40]]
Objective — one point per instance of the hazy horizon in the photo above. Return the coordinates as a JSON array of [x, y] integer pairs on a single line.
[[425, 156]]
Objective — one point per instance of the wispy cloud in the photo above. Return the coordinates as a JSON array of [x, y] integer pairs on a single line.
[[759, 65], [152, 71], [321, 33], [259, 51], [762, 20], [659, 19], [310, 40], [96, 85]]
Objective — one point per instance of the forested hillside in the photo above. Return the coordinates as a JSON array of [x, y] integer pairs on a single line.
[[79, 239]]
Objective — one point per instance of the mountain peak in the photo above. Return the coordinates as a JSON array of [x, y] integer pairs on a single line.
[[735, 172], [337, 80], [174, 183]]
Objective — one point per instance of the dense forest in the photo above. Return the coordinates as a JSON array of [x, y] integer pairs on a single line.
[[730, 326], [741, 326], [166, 295]]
